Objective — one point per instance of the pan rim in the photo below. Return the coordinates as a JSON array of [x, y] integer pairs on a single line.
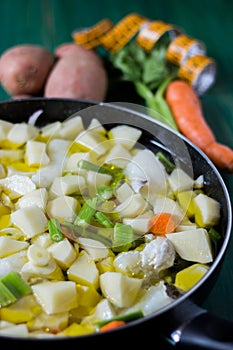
[[225, 243]]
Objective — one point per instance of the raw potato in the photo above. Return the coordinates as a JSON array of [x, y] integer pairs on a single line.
[[78, 73], [68, 49], [24, 69]]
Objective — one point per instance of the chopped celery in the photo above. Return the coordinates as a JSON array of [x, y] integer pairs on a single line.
[[103, 219], [117, 173], [169, 166], [16, 285], [6, 297], [134, 315], [55, 232], [123, 237], [12, 287], [106, 192], [86, 213], [86, 165]]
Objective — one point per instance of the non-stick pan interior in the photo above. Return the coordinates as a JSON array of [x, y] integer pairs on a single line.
[[155, 136]]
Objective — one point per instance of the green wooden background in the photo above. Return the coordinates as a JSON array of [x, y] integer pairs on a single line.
[[51, 22]]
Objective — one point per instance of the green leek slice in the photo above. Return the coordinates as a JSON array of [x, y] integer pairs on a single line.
[[86, 213], [12, 287], [6, 297], [55, 231], [122, 237], [16, 285]]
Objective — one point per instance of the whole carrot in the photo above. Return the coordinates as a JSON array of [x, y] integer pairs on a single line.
[[187, 111]]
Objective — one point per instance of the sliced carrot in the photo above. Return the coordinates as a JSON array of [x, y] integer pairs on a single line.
[[163, 223], [112, 325], [187, 111]]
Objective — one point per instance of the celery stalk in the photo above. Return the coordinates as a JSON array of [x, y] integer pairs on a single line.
[[156, 103], [162, 105], [150, 72]]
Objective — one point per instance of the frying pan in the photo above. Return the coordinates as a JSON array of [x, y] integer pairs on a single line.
[[184, 324]]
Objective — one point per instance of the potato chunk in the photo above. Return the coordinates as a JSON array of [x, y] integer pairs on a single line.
[[84, 271], [55, 297], [192, 245], [121, 290], [31, 220]]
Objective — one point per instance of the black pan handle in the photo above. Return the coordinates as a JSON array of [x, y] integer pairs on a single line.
[[190, 327], [207, 331]]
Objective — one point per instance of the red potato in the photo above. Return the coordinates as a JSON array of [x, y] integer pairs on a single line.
[[25, 68], [78, 73], [72, 48]]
